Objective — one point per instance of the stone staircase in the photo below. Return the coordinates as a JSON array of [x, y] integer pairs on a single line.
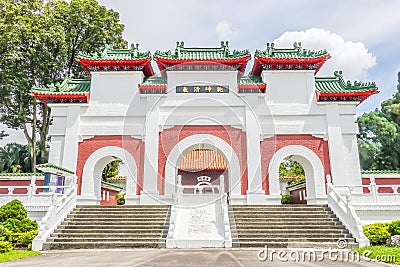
[[103, 227], [281, 226]]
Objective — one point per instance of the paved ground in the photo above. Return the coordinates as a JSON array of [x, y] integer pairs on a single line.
[[181, 257]]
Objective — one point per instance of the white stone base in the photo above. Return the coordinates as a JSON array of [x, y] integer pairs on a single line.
[[317, 201], [132, 200], [190, 243], [256, 198], [273, 199], [237, 200], [149, 198], [88, 200]]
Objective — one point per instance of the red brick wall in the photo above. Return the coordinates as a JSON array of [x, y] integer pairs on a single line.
[[134, 146], [112, 200], [19, 183], [168, 138], [296, 195], [270, 146], [383, 181]]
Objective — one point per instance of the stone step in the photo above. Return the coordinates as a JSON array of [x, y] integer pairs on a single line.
[[283, 216], [106, 222], [117, 231], [294, 239], [103, 227], [285, 220], [282, 207], [115, 214], [99, 245], [113, 218], [289, 228], [119, 212], [106, 239], [337, 236], [126, 229], [282, 244], [115, 226], [285, 212], [139, 206], [150, 235], [298, 231]]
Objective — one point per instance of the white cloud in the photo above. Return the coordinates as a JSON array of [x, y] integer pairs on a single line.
[[352, 58], [225, 31]]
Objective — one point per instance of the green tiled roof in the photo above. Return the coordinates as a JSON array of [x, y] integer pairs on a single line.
[[296, 52], [337, 84], [208, 53], [154, 81], [53, 166], [111, 184], [250, 80], [116, 54], [2, 174], [381, 172], [68, 86]]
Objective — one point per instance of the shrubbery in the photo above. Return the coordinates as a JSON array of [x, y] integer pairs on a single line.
[[5, 246], [120, 199], [286, 199], [377, 233], [16, 229], [13, 209], [394, 228]]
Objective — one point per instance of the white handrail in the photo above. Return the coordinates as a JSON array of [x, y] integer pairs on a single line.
[[59, 208], [346, 214]]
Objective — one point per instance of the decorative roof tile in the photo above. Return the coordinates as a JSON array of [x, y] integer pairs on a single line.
[[117, 60], [20, 174], [210, 56], [69, 91], [336, 89], [153, 85], [111, 186], [202, 159], [116, 178], [295, 58], [251, 84], [381, 172], [48, 166], [116, 54]]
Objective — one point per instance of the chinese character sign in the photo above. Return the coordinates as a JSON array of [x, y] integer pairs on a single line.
[[196, 89]]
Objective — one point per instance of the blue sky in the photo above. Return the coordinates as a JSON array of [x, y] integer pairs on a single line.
[[363, 36]]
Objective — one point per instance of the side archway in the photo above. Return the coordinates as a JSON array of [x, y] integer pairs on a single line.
[[313, 168], [206, 141], [94, 165]]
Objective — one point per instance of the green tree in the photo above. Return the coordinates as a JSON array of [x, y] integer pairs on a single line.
[[13, 157], [291, 168], [111, 169], [379, 137], [38, 45]]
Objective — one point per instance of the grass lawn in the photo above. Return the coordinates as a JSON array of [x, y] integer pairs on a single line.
[[381, 253], [17, 254]]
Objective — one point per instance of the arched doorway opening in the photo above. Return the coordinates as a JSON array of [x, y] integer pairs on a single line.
[[113, 183], [91, 187], [203, 162], [313, 172], [203, 141], [292, 182]]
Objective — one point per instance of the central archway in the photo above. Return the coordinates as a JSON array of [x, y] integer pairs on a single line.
[[207, 141], [313, 168]]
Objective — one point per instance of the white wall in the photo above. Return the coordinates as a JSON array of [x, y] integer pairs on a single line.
[[288, 107]]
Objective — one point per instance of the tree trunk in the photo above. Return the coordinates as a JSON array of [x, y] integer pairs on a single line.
[[44, 130]]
